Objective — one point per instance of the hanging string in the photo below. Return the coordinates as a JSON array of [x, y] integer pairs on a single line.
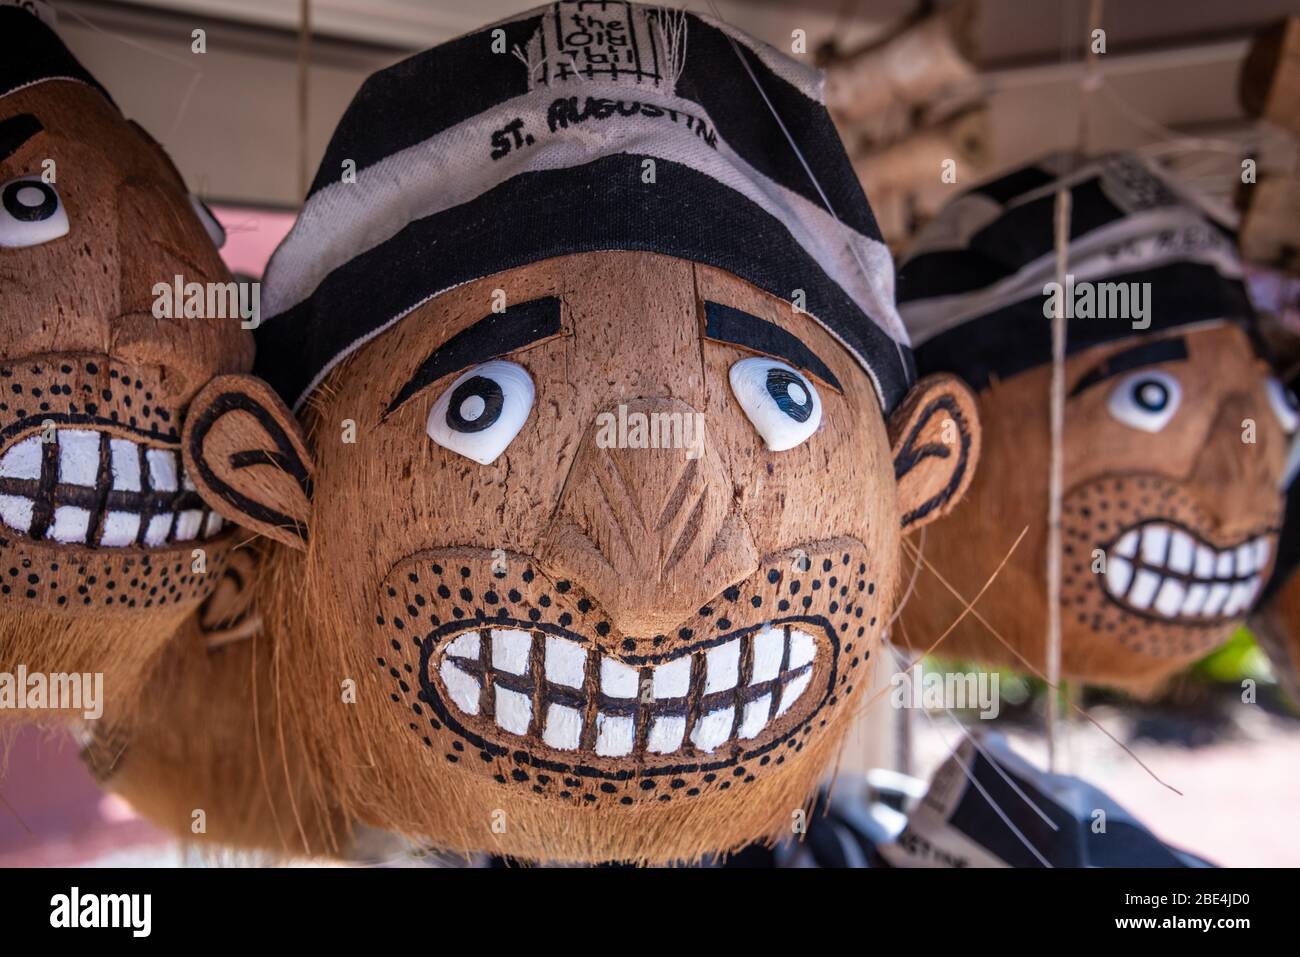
[[1033, 669], [304, 54], [183, 107], [983, 791], [1056, 476]]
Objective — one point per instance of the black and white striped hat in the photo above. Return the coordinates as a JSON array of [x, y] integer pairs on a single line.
[[31, 52], [527, 140], [971, 292]]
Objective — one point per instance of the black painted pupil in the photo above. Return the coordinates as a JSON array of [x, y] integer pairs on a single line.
[[1151, 395], [17, 201], [780, 385], [475, 405]]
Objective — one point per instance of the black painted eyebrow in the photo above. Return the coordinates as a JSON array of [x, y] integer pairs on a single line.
[[1147, 354], [16, 131], [729, 324], [494, 335]]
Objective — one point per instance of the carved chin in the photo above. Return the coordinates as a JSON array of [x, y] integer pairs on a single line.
[[521, 678]]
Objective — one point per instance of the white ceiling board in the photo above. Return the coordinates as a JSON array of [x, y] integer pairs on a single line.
[[416, 24]]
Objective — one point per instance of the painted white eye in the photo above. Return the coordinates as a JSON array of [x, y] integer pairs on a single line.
[[1146, 400], [1284, 405], [216, 232], [782, 404], [483, 410], [31, 213]]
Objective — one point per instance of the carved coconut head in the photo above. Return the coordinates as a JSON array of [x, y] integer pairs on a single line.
[[600, 517], [98, 519], [1175, 430], [1276, 621]]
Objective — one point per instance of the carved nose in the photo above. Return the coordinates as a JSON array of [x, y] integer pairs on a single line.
[[647, 524], [1236, 479]]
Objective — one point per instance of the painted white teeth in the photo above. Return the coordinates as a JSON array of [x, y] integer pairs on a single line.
[[563, 729], [1223, 567], [16, 512], [510, 650], [723, 665], [85, 487], [1127, 546], [1195, 599], [70, 524], [156, 532], [779, 662], [565, 660], [1169, 599], [188, 524], [78, 456], [464, 689], [769, 646], [23, 461], [614, 735], [1155, 539], [1182, 551], [120, 529], [617, 679], [791, 692], [666, 734], [671, 680], [1215, 600], [1144, 589], [1263, 549], [162, 469], [1118, 575], [124, 464], [1236, 599], [514, 711], [1163, 570], [713, 729]]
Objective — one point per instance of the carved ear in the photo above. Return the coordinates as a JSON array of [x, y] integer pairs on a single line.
[[247, 456], [230, 612], [935, 438]]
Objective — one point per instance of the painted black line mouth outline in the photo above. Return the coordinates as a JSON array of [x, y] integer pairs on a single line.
[[165, 518], [430, 695], [1188, 579]]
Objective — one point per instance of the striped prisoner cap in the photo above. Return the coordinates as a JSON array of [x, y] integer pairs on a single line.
[[31, 52], [971, 291], [527, 140]]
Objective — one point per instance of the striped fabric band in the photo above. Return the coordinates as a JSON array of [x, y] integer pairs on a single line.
[[972, 291], [530, 139]]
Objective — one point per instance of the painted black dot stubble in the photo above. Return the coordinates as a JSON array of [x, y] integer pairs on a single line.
[[450, 618]]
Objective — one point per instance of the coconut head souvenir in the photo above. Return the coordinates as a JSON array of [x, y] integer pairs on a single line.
[[610, 435], [105, 546], [1175, 430], [1276, 621]]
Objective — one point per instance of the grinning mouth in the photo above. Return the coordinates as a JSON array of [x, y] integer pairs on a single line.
[[89, 487], [580, 700], [1163, 571]]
